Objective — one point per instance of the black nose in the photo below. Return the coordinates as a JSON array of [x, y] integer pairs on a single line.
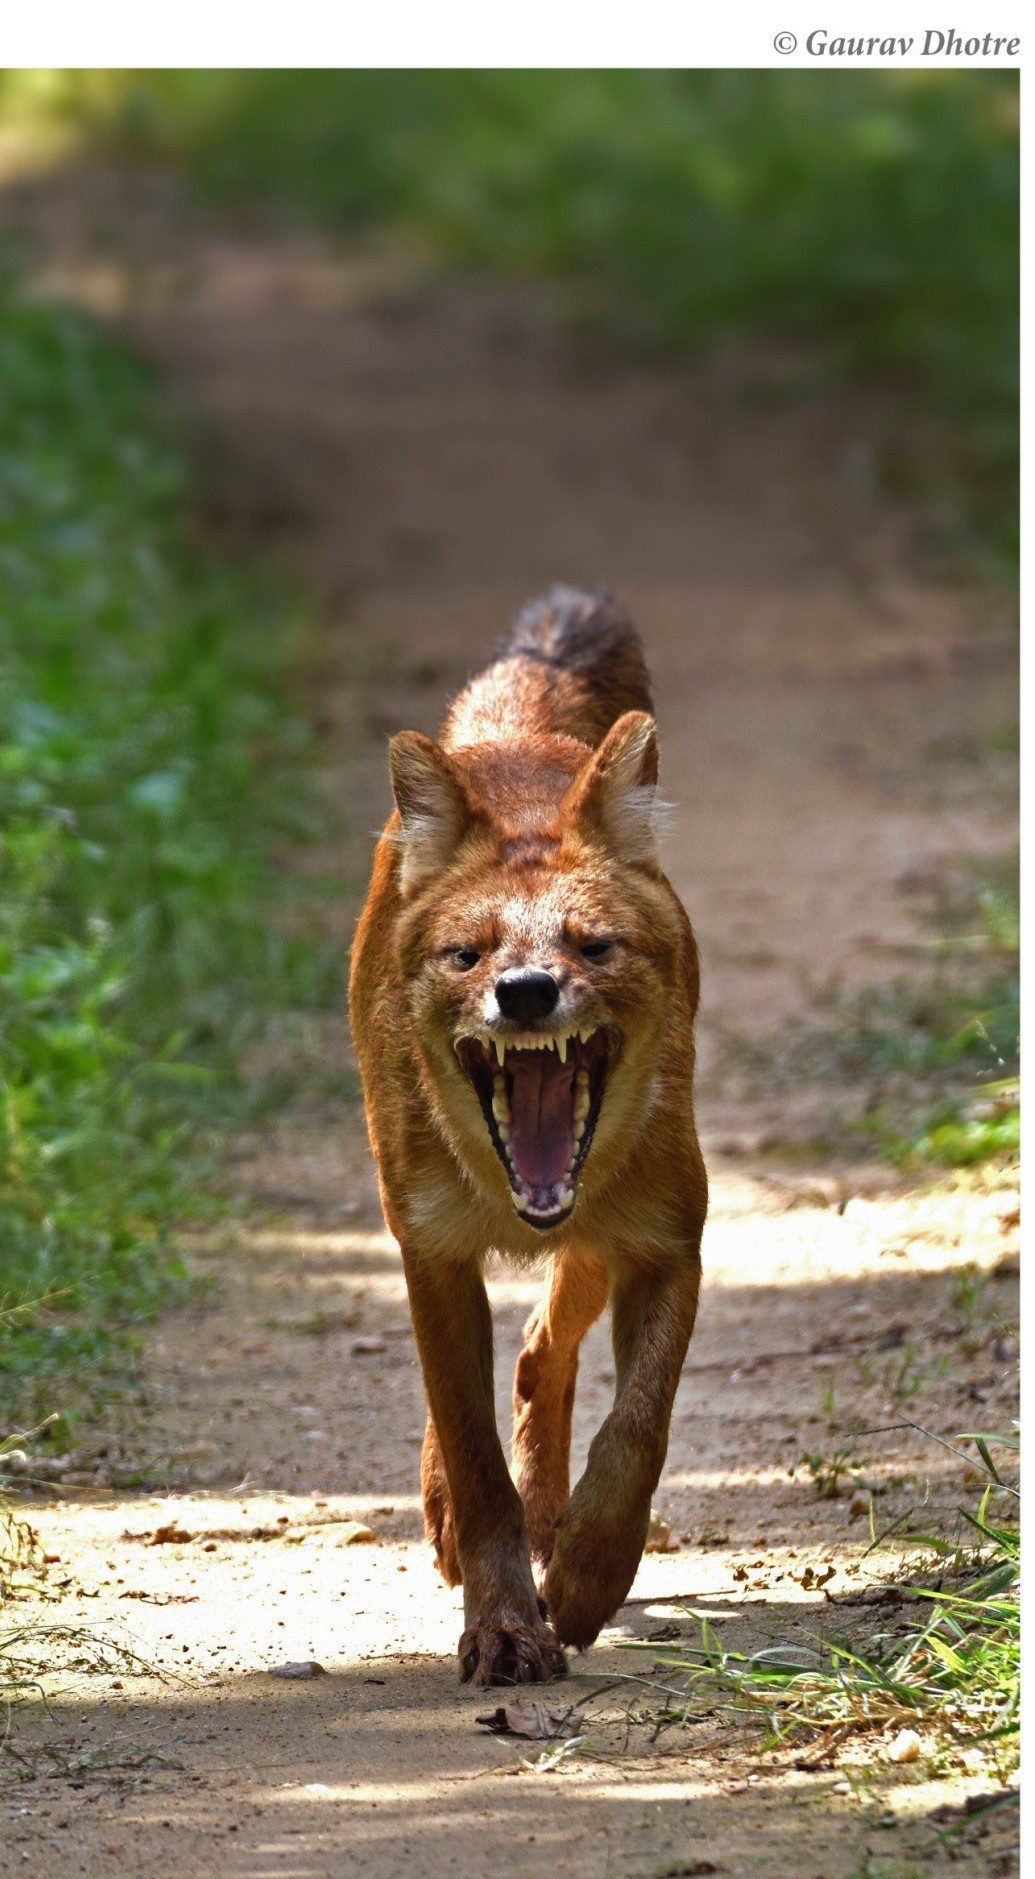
[[526, 994]]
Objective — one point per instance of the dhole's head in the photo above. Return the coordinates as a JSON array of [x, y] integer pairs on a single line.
[[540, 945]]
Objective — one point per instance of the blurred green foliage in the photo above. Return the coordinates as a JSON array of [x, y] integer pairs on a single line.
[[872, 217], [941, 1052], [147, 773], [966, 1032]]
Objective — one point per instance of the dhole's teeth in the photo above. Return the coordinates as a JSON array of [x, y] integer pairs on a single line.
[[581, 1108], [501, 1050]]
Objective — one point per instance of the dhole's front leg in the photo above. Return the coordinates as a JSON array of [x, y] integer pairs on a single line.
[[602, 1531], [438, 1508], [544, 1393], [505, 1639]]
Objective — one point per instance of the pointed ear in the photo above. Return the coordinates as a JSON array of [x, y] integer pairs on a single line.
[[612, 798], [433, 806]]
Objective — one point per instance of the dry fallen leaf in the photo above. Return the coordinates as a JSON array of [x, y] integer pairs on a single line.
[[538, 1722], [309, 1668]]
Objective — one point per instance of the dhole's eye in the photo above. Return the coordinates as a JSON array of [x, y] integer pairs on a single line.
[[465, 957], [595, 948]]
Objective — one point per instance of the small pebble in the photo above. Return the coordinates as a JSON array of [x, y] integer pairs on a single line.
[[354, 1533], [906, 1747]]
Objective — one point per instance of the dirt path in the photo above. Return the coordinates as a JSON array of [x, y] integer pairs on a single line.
[[427, 454]]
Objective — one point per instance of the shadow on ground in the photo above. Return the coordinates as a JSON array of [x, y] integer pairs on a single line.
[[382, 1769]]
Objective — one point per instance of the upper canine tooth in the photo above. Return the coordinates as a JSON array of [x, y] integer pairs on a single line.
[[501, 1050], [562, 1048]]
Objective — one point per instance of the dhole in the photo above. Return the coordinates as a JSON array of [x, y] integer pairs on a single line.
[[524, 984]]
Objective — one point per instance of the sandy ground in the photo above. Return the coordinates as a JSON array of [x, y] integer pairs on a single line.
[[426, 454]]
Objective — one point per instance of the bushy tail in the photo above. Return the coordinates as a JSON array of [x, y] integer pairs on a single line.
[[571, 663], [592, 647]]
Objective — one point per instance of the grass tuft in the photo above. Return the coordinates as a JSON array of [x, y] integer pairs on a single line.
[[950, 1671], [938, 1055]]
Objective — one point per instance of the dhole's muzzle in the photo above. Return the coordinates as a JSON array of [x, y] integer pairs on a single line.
[[541, 1094]]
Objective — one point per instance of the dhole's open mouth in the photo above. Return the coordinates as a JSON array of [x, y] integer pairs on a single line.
[[541, 1098]]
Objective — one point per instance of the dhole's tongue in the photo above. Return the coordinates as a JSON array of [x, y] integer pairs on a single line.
[[542, 1139]]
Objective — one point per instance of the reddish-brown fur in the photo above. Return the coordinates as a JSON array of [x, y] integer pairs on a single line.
[[519, 838]]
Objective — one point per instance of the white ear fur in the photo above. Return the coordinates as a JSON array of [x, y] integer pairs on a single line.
[[433, 807], [616, 791]]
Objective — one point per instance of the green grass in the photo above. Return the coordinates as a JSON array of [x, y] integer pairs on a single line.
[[149, 773], [939, 1053], [968, 1037], [949, 1669], [870, 219]]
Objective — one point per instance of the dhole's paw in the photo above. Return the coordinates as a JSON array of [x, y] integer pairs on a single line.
[[589, 1576], [510, 1653]]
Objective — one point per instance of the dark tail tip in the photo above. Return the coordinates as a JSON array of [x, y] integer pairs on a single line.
[[585, 634]]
